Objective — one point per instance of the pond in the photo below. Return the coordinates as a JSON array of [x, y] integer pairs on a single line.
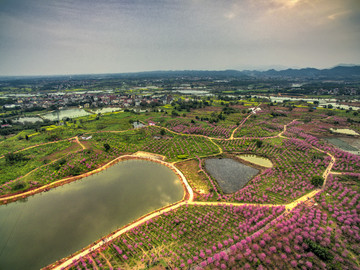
[[231, 175], [29, 119], [70, 113], [322, 102], [52, 225], [257, 160], [344, 131], [351, 145], [195, 92], [108, 109]]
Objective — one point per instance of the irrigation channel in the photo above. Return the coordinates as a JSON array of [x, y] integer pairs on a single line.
[[48, 226]]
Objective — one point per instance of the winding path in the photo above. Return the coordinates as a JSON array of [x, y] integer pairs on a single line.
[[188, 198], [239, 126], [190, 201], [42, 144]]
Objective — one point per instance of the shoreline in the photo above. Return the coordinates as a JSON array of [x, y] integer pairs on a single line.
[[5, 199], [187, 198]]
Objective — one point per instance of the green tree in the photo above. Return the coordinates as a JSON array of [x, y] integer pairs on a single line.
[[317, 180], [107, 147], [259, 143], [12, 158]]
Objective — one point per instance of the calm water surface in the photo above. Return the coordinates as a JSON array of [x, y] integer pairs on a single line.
[[29, 119], [54, 224], [71, 113], [261, 161], [230, 174]]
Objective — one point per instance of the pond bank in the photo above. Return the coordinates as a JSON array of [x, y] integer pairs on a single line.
[[151, 157], [70, 217], [230, 174]]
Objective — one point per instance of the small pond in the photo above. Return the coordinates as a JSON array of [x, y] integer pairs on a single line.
[[257, 160], [195, 92], [52, 225], [70, 113], [344, 131], [29, 119], [231, 175], [106, 110], [348, 144]]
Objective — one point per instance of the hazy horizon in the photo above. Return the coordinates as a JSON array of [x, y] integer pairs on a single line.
[[49, 37], [178, 70]]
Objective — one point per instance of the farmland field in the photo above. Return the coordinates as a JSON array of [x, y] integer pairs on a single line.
[[276, 215]]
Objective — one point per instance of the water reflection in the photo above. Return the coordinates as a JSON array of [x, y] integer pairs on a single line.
[[49, 226]]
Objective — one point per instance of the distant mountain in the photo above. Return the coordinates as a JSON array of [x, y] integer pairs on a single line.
[[338, 72], [185, 73]]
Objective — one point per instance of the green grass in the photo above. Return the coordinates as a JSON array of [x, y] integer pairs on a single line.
[[32, 159]]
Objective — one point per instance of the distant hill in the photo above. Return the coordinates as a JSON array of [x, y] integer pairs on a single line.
[[335, 73], [339, 72], [185, 73]]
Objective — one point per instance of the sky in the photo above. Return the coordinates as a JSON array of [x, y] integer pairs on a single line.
[[49, 37]]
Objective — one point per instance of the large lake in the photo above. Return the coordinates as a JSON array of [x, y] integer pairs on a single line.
[[52, 225]]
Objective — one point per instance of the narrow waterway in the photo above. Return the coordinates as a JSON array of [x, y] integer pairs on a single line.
[[51, 225]]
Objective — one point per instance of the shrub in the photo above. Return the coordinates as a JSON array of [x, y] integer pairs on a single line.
[[12, 158], [107, 147], [19, 185], [320, 251], [258, 143], [317, 180]]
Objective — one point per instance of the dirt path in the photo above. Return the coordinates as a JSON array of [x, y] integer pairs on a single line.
[[183, 134], [239, 126], [79, 143], [41, 144], [68, 261], [242, 122], [47, 164], [189, 200], [218, 146], [107, 261], [285, 127]]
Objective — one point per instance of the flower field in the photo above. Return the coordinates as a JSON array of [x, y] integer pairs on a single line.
[[345, 161], [28, 160], [207, 129], [174, 147], [73, 164], [295, 163], [19, 143], [256, 227], [181, 238], [325, 236], [260, 127]]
